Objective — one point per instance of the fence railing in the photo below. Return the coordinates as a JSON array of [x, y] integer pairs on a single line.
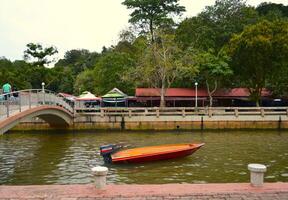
[[19, 101], [184, 111]]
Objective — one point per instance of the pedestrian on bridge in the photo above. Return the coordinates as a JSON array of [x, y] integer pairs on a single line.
[[15, 91], [6, 90]]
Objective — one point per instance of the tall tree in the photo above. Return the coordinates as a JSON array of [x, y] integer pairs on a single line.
[[151, 14], [214, 27], [258, 53], [109, 71], [38, 54], [78, 60], [266, 8], [162, 62], [85, 81], [213, 70]]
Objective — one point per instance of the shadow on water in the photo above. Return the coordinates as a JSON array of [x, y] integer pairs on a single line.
[[44, 149]]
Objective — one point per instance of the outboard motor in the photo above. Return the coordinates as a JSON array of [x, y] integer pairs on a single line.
[[107, 150]]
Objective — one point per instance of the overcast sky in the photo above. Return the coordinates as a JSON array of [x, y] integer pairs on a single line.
[[71, 24]]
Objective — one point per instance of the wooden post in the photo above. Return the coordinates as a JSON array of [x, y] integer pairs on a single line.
[[129, 113]]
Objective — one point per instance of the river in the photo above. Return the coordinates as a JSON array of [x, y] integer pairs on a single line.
[[28, 158]]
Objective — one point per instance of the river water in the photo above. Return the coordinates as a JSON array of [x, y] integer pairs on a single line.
[[66, 158]]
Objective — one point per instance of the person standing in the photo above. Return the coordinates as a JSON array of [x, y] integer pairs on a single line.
[[6, 90], [15, 93]]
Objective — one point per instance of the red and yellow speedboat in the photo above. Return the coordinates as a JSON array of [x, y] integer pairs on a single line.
[[111, 153]]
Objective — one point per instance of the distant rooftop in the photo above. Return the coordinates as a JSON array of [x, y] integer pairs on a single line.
[[189, 92]]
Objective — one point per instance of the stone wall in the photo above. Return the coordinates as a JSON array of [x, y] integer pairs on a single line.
[[193, 122]]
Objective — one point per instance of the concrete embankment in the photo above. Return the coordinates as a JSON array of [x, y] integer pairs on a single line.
[[90, 121], [233, 191]]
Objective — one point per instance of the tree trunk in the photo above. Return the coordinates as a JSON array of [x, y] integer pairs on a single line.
[[256, 95], [151, 30], [162, 96], [210, 93], [210, 100]]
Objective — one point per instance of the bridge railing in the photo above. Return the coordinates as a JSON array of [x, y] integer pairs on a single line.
[[19, 101]]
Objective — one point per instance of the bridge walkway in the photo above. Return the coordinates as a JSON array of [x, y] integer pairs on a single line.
[[25, 104]]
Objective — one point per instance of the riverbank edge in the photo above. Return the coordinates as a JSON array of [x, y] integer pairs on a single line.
[[234, 191], [160, 126]]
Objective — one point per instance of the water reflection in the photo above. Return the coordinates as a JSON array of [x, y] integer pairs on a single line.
[[66, 158]]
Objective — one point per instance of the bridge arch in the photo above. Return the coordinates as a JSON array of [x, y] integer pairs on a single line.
[[55, 116]]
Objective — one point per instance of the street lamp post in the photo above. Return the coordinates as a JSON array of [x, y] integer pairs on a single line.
[[196, 95], [43, 91], [43, 85]]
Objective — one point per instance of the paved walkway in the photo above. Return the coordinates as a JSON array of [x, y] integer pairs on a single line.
[[232, 191]]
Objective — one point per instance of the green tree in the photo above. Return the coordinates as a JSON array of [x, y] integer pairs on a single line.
[[259, 53], [39, 55], [214, 27], [109, 72], [85, 81], [161, 64], [78, 60], [265, 9], [151, 14], [213, 70], [60, 79]]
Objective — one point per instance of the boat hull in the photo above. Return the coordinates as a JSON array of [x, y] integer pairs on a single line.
[[155, 156]]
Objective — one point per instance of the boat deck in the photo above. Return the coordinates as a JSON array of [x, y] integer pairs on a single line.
[[154, 150]]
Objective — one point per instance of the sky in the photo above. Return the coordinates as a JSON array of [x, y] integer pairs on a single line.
[[71, 24]]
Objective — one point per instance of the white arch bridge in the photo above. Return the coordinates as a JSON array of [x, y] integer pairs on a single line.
[[26, 104]]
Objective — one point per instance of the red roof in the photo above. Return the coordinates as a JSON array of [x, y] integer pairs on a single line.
[[170, 92], [189, 92], [238, 92]]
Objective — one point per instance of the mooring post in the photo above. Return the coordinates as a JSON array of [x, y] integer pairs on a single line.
[[100, 174], [279, 123], [202, 124], [257, 174]]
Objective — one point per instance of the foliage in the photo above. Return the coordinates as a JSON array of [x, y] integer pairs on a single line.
[[109, 71], [38, 54], [258, 53], [162, 62], [214, 69], [85, 81], [213, 27], [265, 9], [62, 80], [195, 50], [152, 14], [78, 60]]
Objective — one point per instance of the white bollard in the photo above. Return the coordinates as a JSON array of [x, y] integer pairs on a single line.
[[100, 174], [257, 174]]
